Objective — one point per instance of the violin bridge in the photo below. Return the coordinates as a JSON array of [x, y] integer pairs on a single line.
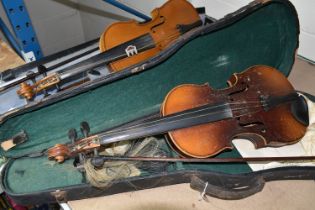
[[131, 50]]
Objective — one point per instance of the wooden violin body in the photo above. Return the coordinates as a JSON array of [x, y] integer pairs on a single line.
[[259, 99], [124, 44], [260, 105], [167, 24]]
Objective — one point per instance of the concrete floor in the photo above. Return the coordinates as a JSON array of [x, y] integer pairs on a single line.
[[276, 195]]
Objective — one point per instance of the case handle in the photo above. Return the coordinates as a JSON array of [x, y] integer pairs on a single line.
[[227, 188]]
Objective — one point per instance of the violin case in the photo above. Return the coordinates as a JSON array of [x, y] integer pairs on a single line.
[[263, 32]]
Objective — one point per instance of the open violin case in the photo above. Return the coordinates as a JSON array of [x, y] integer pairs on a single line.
[[264, 33]]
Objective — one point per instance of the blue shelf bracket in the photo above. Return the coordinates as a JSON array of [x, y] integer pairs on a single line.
[[128, 9], [23, 29]]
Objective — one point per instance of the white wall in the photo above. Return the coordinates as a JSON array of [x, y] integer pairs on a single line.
[[306, 9], [5, 20], [61, 24], [96, 15], [57, 26]]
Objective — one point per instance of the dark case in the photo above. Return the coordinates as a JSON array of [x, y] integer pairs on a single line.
[[259, 33]]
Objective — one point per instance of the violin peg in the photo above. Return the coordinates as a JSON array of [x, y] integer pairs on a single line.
[[72, 135], [42, 69], [85, 128]]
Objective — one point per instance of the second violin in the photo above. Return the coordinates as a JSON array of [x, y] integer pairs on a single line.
[[124, 44], [170, 21]]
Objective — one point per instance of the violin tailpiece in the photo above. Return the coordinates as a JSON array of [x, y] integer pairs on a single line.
[[19, 138]]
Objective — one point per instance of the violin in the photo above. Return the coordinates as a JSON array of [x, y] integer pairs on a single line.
[[124, 44], [168, 22], [260, 105]]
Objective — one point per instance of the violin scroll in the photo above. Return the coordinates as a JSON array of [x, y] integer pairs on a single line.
[[59, 153], [26, 91]]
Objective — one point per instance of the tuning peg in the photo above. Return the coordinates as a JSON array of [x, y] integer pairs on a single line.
[[30, 74], [72, 135], [85, 128], [42, 70]]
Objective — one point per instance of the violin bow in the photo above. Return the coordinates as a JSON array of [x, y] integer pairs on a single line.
[[99, 160], [8, 75]]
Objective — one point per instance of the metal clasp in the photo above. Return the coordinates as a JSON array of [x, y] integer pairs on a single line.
[[61, 198]]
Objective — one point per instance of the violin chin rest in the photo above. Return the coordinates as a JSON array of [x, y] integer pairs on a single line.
[[299, 110]]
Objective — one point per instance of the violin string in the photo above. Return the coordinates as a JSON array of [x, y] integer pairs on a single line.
[[85, 143], [147, 124], [175, 35], [240, 102], [232, 103], [196, 111], [143, 125], [147, 44], [158, 120], [152, 122]]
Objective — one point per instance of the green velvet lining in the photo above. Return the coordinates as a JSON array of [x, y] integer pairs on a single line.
[[23, 175], [36, 174], [268, 36]]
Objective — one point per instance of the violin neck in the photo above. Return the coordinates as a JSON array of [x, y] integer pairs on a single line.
[[188, 118]]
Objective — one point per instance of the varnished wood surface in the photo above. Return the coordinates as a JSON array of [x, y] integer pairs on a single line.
[[274, 127], [8, 58], [162, 28], [198, 141]]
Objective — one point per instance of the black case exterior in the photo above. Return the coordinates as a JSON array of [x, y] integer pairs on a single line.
[[235, 186]]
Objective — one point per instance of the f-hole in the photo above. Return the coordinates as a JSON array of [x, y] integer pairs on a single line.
[[162, 21], [250, 124], [241, 88]]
